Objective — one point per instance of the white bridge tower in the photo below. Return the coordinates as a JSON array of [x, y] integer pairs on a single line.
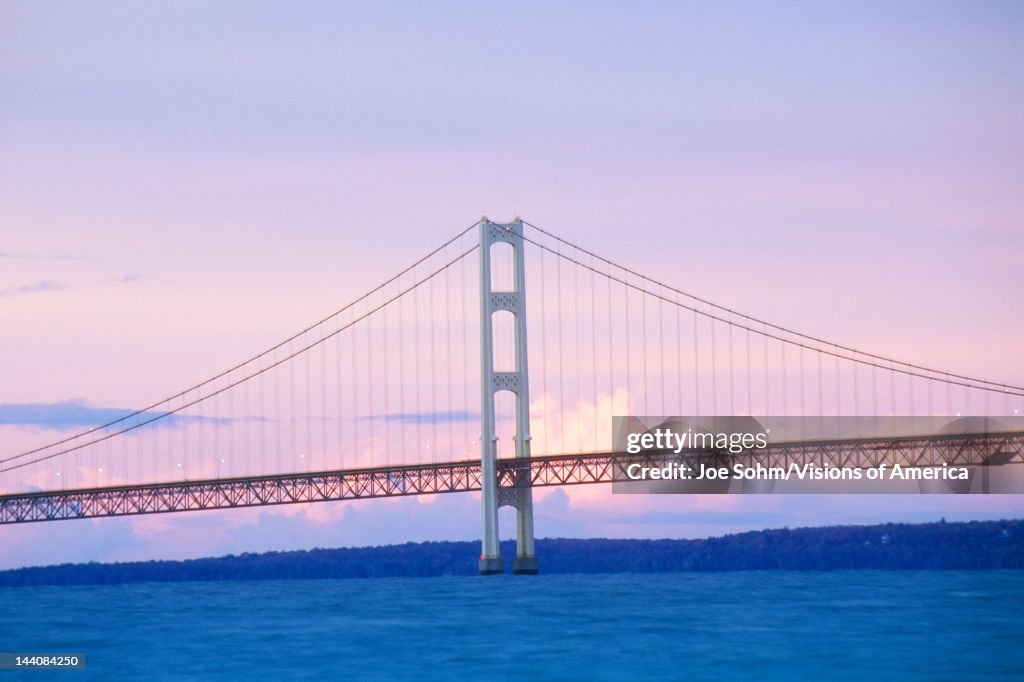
[[520, 493]]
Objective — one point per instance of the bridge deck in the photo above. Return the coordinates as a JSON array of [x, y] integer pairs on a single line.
[[464, 476]]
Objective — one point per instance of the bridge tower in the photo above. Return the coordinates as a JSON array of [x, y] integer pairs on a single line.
[[520, 494]]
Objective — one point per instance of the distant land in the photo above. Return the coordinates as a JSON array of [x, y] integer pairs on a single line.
[[974, 545]]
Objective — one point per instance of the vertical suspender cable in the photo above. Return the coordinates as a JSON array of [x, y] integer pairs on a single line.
[[714, 371], [183, 455], [696, 364], [803, 403], [465, 351], [576, 340], [433, 373], [856, 385], [216, 429], [401, 380], [544, 350], [679, 360], [874, 390], [593, 342], [308, 450], [750, 390], [821, 388], [278, 428], [338, 411], [732, 386], [764, 373], [355, 395], [448, 357], [643, 352], [561, 353], [785, 379], [892, 393], [371, 393], [291, 391], [386, 371], [629, 382], [263, 419], [611, 346], [661, 350], [418, 415], [324, 450], [910, 391], [839, 410]]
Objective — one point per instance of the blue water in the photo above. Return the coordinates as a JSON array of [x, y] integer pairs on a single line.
[[722, 626]]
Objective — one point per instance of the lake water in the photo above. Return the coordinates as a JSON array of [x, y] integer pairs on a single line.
[[719, 626]]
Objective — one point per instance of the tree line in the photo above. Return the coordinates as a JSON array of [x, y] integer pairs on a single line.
[[974, 545]]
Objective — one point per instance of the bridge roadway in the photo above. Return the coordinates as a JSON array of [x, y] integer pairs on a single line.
[[464, 476]]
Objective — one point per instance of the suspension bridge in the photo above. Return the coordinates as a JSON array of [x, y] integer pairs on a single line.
[[434, 382]]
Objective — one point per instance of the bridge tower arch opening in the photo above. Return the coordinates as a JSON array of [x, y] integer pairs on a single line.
[[518, 492]]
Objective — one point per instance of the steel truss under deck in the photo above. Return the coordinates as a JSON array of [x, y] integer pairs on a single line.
[[512, 474]]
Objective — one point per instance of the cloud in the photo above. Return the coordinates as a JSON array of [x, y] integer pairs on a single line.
[[123, 279], [34, 288], [62, 415], [442, 417], [34, 256], [71, 414], [43, 286]]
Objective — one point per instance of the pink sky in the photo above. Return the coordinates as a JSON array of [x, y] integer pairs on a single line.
[[182, 187]]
